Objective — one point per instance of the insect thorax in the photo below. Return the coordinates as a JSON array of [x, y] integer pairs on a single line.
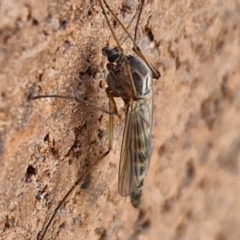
[[119, 80]]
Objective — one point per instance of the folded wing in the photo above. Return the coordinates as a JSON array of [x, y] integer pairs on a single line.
[[136, 145]]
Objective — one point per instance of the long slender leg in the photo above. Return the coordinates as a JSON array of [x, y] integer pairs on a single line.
[[138, 19], [123, 39], [42, 234], [77, 99], [136, 49], [112, 110], [116, 39]]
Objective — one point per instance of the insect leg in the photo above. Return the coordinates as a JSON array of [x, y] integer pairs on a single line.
[[77, 99], [122, 38], [42, 234], [116, 39], [138, 19], [136, 49], [112, 110]]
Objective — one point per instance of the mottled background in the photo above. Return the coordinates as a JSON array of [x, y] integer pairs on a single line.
[[192, 189]]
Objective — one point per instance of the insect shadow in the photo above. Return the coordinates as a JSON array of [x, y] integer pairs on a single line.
[[129, 78]]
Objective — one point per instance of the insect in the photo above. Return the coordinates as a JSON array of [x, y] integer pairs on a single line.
[[129, 78]]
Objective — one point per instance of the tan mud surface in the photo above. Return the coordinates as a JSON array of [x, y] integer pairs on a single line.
[[192, 189]]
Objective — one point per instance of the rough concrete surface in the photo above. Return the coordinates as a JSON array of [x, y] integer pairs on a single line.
[[192, 188]]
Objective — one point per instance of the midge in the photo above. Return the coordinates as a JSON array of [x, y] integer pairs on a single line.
[[129, 78]]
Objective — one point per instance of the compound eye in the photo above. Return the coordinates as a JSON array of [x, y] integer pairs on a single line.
[[113, 57], [112, 54]]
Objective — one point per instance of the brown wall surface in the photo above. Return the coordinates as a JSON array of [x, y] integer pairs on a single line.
[[192, 188]]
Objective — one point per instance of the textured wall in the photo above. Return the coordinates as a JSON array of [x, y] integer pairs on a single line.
[[192, 189]]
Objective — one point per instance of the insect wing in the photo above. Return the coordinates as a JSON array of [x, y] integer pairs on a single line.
[[136, 145]]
